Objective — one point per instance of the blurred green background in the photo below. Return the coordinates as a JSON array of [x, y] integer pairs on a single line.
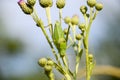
[[22, 43]]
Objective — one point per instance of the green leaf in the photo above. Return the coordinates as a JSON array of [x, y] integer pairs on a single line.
[[59, 39]]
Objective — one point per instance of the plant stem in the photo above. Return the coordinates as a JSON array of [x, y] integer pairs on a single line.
[[78, 57], [65, 62], [60, 15], [67, 77], [51, 76], [87, 45], [74, 33], [67, 33], [49, 19], [95, 14], [37, 20]]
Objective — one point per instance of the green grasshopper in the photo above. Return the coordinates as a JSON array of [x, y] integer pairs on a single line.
[[59, 39]]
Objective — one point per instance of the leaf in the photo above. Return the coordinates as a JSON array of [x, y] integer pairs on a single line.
[[59, 39]]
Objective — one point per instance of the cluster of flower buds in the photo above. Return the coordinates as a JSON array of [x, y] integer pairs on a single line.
[[60, 38], [74, 20], [91, 3], [46, 63], [94, 3], [27, 8], [48, 3]]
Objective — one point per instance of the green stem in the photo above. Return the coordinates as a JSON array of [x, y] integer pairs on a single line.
[[37, 20], [63, 71], [51, 76], [67, 33], [74, 32], [78, 57], [86, 21], [67, 77], [60, 15], [49, 19], [67, 70], [65, 62], [95, 14], [87, 45]]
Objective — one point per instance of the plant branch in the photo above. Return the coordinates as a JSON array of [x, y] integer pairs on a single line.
[[40, 24]]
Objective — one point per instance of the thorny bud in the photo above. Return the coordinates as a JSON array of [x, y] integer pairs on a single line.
[[91, 3], [60, 4], [67, 20], [48, 68], [31, 2], [25, 7], [50, 62], [42, 62], [75, 20], [99, 6], [88, 15], [83, 9], [78, 36], [46, 3], [90, 56], [65, 31], [82, 26]]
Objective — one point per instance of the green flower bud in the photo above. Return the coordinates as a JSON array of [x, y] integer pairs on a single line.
[[99, 6], [50, 62], [60, 4], [31, 2], [82, 26], [91, 3], [75, 20], [65, 31], [78, 36], [42, 62], [83, 9], [88, 15], [48, 68], [25, 7], [46, 3], [90, 57], [67, 20]]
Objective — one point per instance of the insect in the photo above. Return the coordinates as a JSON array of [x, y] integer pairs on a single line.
[[59, 39]]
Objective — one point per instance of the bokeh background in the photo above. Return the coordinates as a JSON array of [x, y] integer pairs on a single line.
[[22, 43]]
